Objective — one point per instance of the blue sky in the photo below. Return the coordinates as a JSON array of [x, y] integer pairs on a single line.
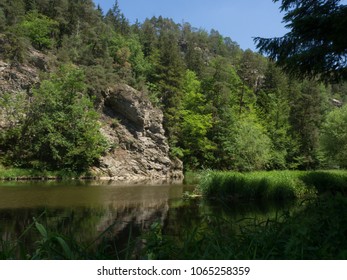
[[238, 19]]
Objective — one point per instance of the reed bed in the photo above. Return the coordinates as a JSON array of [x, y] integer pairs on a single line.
[[277, 185]]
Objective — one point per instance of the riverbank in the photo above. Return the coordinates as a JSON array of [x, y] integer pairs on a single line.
[[19, 174], [274, 185]]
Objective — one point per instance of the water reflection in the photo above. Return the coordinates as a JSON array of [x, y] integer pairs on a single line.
[[86, 210], [83, 209]]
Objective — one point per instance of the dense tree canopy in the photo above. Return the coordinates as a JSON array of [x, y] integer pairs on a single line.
[[316, 44], [224, 107]]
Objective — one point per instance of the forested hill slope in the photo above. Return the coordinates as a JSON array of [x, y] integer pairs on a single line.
[[129, 138], [66, 65]]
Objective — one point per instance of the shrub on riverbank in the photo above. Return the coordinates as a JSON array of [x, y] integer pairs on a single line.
[[59, 129], [7, 173], [271, 185]]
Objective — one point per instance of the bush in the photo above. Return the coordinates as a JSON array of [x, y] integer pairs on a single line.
[[60, 129], [39, 29]]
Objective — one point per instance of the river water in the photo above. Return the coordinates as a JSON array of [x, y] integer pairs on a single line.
[[88, 209]]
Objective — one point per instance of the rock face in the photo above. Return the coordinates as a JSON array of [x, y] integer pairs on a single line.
[[16, 78], [139, 149]]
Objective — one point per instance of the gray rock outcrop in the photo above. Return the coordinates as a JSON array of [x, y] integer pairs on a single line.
[[16, 78], [134, 128]]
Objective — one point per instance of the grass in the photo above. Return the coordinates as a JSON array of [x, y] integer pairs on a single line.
[[41, 241], [192, 177], [11, 173], [334, 181], [277, 185]]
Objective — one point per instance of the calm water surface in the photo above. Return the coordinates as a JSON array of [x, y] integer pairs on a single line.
[[88, 209]]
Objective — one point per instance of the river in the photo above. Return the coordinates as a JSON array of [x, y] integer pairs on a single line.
[[89, 209]]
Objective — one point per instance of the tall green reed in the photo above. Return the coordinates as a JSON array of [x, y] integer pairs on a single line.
[[276, 185]]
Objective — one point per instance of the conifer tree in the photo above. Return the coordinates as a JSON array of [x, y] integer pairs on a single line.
[[316, 44]]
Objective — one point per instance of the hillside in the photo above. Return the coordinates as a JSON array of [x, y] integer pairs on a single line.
[[82, 89], [137, 147]]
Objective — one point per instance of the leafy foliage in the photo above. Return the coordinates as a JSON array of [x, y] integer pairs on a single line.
[[195, 124], [334, 136], [60, 129], [224, 108], [247, 145], [39, 29]]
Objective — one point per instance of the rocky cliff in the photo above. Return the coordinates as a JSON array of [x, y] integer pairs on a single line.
[[134, 128], [139, 148]]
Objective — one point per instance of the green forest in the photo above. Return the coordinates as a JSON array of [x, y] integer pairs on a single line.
[[224, 108], [253, 129]]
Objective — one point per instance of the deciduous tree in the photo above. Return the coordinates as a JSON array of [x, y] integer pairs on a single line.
[[60, 129], [334, 137]]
